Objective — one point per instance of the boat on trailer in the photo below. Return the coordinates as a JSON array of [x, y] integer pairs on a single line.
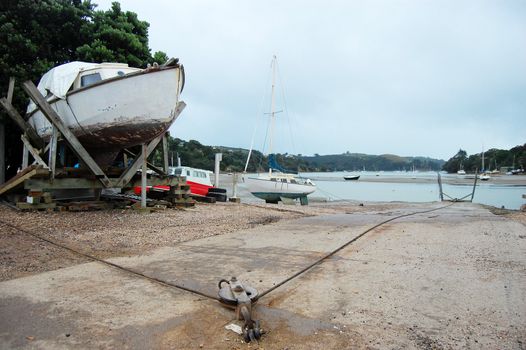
[[110, 106]]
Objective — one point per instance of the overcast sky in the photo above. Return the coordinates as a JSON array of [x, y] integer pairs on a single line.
[[412, 78]]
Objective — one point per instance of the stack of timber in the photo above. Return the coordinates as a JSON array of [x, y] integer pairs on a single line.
[[37, 200], [180, 196], [36, 171]]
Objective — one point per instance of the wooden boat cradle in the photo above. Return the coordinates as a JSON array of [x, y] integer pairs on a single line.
[[42, 176]]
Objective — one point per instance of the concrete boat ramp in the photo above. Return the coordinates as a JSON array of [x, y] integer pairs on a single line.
[[450, 278]]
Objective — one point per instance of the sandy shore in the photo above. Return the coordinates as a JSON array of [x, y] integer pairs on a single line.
[[450, 179]]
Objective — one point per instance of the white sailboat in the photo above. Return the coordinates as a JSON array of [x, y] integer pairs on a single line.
[[278, 185], [484, 176]]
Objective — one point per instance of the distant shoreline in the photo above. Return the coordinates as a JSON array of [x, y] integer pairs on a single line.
[[389, 177]]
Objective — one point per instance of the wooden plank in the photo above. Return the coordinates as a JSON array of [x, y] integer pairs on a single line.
[[130, 172], [62, 184], [39, 206], [22, 124], [25, 157], [18, 179], [53, 152], [33, 152], [54, 119], [137, 163], [165, 153], [10, 90], [2, 153], [150, 165], [143, 175], [88, 205]]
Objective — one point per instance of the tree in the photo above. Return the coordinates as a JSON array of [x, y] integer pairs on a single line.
[[116, 36], [456, 162], [38, 35]]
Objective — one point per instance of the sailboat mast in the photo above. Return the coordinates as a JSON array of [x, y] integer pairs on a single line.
[[272, 109]]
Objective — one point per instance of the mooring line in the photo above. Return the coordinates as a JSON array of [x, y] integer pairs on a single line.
[[105, 262], [181, 287], [319, 261]]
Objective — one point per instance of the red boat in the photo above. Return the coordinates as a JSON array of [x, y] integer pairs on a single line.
[[198, 179]]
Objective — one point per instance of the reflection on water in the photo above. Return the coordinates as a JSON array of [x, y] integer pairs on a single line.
[[332, 185]]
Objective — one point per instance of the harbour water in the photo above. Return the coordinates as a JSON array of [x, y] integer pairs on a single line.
[[417, 187]]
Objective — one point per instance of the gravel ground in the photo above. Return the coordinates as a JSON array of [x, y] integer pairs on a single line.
[[112, 233]]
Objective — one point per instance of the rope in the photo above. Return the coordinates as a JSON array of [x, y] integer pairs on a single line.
[[319, 261], [181, 287], [105, 262]]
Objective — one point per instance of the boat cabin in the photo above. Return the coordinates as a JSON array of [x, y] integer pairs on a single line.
[[100, 72], [192, 174], [289, 178]]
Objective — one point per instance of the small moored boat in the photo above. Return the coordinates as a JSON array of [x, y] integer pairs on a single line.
[[351, 177]]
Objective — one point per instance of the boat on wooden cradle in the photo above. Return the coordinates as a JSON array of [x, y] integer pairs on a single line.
[[278, 184], [351, 177], [110, 106]]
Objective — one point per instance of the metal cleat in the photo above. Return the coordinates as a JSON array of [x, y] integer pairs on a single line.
[[235, 295]]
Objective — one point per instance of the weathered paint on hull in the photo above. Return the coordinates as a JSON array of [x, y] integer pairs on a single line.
[[274, 197], [118, 114], [277, 189]]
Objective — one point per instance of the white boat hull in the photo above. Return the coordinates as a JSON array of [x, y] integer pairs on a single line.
[[273, 191], [119, 113]]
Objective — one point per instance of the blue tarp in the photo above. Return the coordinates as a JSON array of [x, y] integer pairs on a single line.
[[273, 164]]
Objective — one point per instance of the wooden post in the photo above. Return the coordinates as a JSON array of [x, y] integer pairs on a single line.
[[218, 158], [234, 185], [128, 174], [474, 185], [165, 154], [29, 148], [2, 152], [150, 165], [54, 119], [137, 163], [11, 90], [52, 159], [2, 131], [25, 157], [143, 175], [22, 124], [441, 193]]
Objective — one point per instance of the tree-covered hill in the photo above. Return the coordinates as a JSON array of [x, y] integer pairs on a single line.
[[358, 161], [194, 154], [493, 159]]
